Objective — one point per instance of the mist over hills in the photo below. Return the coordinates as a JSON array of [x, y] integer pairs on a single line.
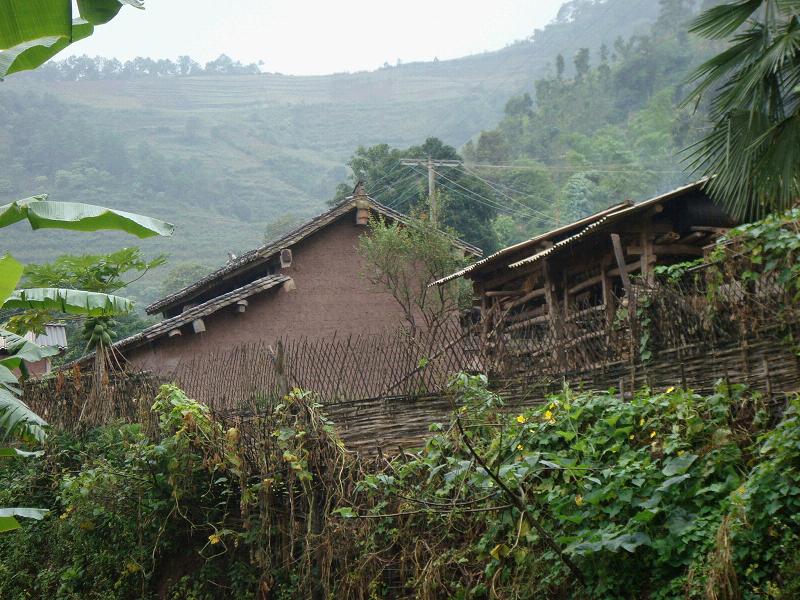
[[223, 156]]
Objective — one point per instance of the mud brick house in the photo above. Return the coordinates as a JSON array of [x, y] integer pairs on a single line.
[[547, 298], [307, 284]]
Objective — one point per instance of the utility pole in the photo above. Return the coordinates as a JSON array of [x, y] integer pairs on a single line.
[[429, 163]]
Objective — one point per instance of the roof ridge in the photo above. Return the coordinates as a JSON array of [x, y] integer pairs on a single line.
[[244, 259], [292, 237]]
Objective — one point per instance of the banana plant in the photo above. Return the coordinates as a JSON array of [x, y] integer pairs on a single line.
[[16, 418], [33, 31]]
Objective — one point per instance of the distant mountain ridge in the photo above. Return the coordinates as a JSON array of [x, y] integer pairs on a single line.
[[224, 155]]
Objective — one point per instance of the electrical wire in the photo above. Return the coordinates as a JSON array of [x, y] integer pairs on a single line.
[[511, 198], [578, 168], [524, 211], [484, 201], [405, 179]]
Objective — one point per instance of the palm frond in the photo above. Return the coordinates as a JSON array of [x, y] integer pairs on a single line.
[[722, 20]]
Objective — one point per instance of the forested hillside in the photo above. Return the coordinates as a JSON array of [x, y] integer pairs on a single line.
[[224, 155], [605, 125]]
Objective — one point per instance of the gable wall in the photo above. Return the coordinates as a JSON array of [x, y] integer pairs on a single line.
[[330, 297]]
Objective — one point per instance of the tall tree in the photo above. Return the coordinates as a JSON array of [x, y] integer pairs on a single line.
[[753, 148], [581, 64], [467, 202]]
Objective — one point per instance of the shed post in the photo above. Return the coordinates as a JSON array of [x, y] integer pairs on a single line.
[[553, 313]]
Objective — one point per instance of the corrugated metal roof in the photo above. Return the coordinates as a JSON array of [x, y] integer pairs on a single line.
[[558, 245], [271, 249], [590, 224], [55, 334]]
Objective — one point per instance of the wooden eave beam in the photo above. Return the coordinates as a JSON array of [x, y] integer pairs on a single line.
[[504, 293], [668, 249]]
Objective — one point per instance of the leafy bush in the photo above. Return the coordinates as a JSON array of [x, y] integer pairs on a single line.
[[668, 495], [658, 497], [126, 513]]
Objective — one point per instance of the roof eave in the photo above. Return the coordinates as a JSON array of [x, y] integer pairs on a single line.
[[268, 251], [589, 222]]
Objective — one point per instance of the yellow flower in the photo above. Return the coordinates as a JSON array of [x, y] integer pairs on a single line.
[[579, 500], [521, 419], [520, 447], [548, 416], [641, 421], [630, 437], [652, 434], [132, 567], [214, 538], [670, 389]]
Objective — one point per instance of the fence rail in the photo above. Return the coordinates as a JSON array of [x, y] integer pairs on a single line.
[[682, 331]]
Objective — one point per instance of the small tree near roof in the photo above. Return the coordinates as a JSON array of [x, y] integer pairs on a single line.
[[405, 258]]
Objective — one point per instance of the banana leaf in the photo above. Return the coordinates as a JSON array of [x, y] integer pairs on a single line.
[[16, 417], [33, 31], [76, 302], [44, 214], [10, 274], [98, 12]]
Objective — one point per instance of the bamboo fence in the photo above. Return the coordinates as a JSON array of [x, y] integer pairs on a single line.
[[385, 390]]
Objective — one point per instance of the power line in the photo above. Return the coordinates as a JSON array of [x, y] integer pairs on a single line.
[[385, 175], [525, 211], [578, 168], [499, 191], [473, 197], [404, 179], [484, 201], [430, 163]]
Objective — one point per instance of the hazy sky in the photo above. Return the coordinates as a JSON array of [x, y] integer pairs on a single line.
[[317, 36]]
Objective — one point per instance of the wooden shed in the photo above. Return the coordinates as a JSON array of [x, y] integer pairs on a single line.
[[559, 284]]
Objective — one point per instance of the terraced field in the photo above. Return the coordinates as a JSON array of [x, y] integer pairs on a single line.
[[222, 156]]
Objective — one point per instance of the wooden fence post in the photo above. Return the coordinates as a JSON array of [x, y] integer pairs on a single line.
[[280, 370]]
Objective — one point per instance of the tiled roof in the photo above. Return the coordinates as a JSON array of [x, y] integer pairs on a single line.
[[272, 248], [202, 310], [583, 227]]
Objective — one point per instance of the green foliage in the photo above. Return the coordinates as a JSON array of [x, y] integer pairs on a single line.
[[635, 491], [668, 495], [612, 132], [753, 148], [128, 514], [405, 189], [91, 272], [759, 257], [771, 246], [33, 32], [405, 258]]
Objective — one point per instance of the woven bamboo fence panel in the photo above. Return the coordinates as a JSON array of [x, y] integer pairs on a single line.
[[385, 390]]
